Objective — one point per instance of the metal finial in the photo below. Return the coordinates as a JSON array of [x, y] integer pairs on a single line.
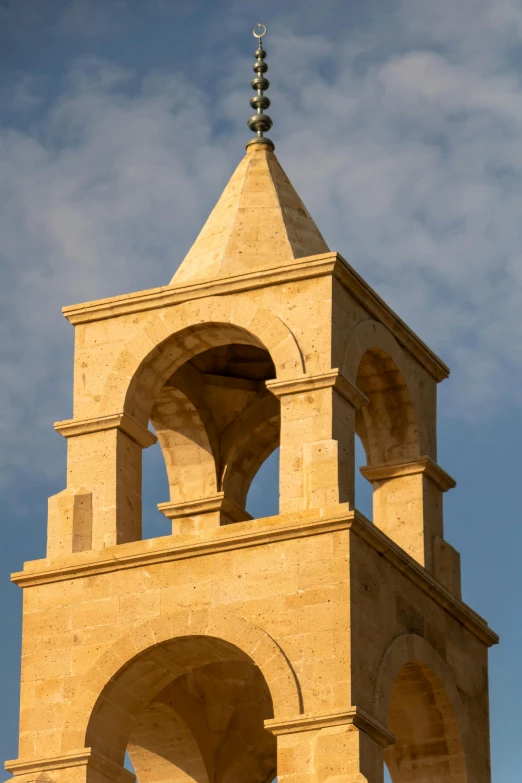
[[260, 123]]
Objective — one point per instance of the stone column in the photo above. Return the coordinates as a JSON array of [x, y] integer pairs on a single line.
[[103, 460], [407, 506], [341, 747], [317, 440]]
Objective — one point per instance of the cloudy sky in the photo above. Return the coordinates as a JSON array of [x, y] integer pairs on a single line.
[[400, 124]]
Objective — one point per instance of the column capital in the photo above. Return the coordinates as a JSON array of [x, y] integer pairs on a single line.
[[85, 757], [351, 716], [71, 428], [208, 505], [391, 470], [332, 378]]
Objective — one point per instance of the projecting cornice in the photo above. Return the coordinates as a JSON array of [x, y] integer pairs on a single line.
[[257, 532], [323, 265]]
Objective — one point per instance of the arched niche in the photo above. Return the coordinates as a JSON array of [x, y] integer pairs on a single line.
[[417, 699]]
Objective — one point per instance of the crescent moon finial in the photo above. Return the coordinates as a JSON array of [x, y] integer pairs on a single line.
[[262, 27]]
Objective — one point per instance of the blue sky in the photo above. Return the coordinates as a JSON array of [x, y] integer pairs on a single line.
[[400, 125]]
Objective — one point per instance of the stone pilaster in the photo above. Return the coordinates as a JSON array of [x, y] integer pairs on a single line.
[[345, 747], [317, 440], [104, 460], [407, 504]]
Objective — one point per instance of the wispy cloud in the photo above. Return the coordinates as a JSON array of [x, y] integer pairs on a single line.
[[103, 196]]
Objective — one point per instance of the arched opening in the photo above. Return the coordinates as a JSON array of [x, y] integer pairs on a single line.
[[215, 420], [182, 347], [192, 708], [428, 747], [387, 426]]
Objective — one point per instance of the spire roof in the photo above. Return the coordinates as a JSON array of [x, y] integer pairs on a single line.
[[259, 221]]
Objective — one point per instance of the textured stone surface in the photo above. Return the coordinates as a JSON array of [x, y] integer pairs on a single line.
[[312, 644], [259, 221]]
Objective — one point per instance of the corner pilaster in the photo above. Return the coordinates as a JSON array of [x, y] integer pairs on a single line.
[[407, 504], [317, 440]]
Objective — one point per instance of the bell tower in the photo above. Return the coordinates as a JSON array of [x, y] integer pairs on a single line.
[[314, 645]]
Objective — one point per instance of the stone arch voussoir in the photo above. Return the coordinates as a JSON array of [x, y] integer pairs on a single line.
[[259, 326], [249, 639], [377, 365], [368, 335], [408, 649]]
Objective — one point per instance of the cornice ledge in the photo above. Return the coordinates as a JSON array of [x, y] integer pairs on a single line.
[[78, 758], [169, 548], [422, 578], [352, 716], [391, 470], [166, 296], [371, 300], [302, 268], [241, 535], [306, 383], [71, 428]]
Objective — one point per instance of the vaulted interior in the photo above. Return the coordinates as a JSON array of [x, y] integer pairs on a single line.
[[216, 423]]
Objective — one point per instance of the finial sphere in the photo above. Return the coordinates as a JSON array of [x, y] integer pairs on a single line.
[[260, 123]]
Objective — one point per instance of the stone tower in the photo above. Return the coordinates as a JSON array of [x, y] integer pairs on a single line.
[[313, 645]]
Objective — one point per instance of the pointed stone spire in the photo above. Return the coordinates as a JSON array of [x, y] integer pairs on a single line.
[[259, 221]]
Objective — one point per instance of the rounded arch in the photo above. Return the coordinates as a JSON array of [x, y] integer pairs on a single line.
[[149, 657], [417, 699], [365, 336], [169, 338], [388, 425]]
